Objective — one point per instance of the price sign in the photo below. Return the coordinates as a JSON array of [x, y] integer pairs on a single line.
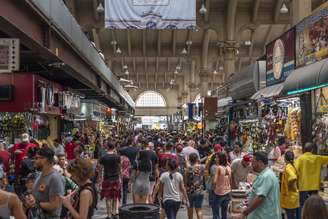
[[9, 55]]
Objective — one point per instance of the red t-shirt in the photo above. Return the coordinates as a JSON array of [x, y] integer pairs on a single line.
[[24, 147], [69, 148], [163, 157], [5, 156]]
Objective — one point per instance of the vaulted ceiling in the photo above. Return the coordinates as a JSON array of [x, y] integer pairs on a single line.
[[152, 56]]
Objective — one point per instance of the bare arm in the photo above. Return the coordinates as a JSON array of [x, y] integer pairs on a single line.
[[253, 205], [16, 207], [53, 203], [85, 202], [184, 192]]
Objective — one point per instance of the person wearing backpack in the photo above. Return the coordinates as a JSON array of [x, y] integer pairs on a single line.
[[85, 199], [289, 194], [194, 177]]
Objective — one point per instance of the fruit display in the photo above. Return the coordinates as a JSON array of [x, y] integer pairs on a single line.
[[11, 123], [292, 127]]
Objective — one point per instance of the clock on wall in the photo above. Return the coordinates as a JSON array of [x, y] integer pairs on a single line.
[[278, 58]]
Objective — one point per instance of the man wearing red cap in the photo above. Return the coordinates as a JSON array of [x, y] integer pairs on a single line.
[[240, 168]]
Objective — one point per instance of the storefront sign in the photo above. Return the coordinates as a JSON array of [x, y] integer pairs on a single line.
[[280, 55], [312, 38], [150, 14], [9, 55]]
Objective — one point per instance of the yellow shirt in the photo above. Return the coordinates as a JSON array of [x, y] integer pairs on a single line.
[[308, 167], [289, 196]]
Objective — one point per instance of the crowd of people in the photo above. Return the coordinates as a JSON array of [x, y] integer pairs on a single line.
[[168, 169]]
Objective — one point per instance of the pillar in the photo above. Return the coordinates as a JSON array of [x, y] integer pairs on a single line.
[[306, 119], [229, 63], [204, 76], [300, 10]]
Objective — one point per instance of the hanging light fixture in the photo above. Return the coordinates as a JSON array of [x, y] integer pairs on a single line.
[[126, 72], [184, 51], [100, 8], [248, 43], [215, 72], [118, 51], [176, 72], [202, 9], [178, 68], [209, 93], [284, 9], [125, 67], [220, 68], [189, 43], [113, 42]]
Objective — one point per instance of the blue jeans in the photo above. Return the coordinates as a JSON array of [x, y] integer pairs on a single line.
[[220, 202], [304, 195], [125, 188], [171, 208], [210, 198], [293, 213]]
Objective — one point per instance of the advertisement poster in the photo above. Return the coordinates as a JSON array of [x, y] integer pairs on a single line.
[[150, 14], [312, 38], [280, 58]]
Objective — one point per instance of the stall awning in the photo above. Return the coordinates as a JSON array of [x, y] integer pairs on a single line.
[[268, 92], [307, 78]]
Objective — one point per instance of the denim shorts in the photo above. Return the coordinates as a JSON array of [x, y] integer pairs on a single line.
[[195, 200]]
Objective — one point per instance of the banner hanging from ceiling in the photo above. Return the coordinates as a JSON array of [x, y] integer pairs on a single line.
[[150, 14], [312, 38], [280, 58]]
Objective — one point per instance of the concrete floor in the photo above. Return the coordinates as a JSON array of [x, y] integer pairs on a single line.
[[182, 214]]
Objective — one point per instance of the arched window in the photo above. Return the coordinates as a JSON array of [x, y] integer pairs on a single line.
[[150, 99]]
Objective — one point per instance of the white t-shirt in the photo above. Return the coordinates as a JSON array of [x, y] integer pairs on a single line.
[[171, 187]]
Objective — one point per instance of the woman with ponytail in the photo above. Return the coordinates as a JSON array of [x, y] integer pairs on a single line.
[[170, 187], [289, 194]]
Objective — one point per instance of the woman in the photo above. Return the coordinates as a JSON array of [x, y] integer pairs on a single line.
[[195, 180], [222, 187], [289, 194], [85, 199], [111, 185], [314, 208], [170, 188], [10, 204], [212, 167], [142, 169]]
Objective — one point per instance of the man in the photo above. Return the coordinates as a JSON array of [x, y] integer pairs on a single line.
[[263, 200], [166, 155], [190, 149], [308, 167], [155, 172], [130, 151], [49, 185], [5, 156], [237, 152], [70, 147], [204, 149], [20, 151], [240, 168]]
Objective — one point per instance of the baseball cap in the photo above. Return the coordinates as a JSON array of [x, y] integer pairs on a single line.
[[247, 158], [217, 148]]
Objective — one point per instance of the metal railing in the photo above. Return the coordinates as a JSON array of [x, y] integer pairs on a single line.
[[59, 15]]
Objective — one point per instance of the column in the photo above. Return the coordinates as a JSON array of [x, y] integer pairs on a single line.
[[229, 63], [300, 10], [203, 76]]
